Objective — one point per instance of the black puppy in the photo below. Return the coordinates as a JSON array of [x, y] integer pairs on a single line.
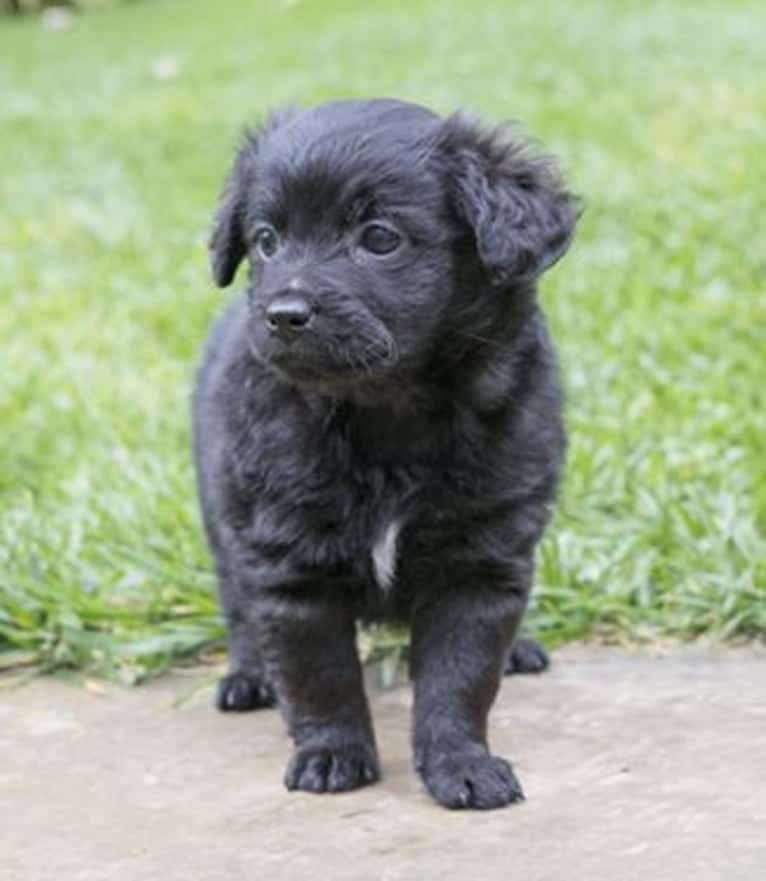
[[378, 427]]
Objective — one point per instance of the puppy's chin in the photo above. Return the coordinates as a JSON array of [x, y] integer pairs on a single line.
[[329, 367]]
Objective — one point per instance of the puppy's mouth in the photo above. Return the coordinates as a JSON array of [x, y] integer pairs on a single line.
[[316, 358]]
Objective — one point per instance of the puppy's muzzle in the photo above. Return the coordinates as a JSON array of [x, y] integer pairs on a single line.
[[289, 314]]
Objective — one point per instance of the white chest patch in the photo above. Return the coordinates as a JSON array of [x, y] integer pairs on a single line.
[[384, 555]]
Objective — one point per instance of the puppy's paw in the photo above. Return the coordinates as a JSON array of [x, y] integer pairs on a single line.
[[239, 692], [332, 769], [527, 656], [468, 781]]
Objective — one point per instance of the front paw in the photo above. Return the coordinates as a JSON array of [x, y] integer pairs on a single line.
[[332, 769], [239, 692], [527, 656], [469, 781]]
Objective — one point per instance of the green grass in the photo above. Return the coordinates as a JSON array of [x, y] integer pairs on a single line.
[[109, 175]]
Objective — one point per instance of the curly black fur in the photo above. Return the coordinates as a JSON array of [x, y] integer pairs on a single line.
[[393, 450]]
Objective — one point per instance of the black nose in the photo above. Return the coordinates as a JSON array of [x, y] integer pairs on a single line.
[[288, 316]]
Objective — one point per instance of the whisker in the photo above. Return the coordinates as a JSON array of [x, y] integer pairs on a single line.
[[480, 339]]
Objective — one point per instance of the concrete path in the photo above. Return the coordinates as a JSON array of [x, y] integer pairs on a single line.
[[635, 767]]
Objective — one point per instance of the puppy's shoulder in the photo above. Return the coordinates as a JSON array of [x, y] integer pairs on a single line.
[[227, 373], [225, 337]]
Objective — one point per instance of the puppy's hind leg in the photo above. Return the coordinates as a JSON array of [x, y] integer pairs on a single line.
[[246, 686]]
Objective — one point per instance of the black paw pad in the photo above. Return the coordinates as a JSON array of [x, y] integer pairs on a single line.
[[465, 781], [527, 656], [239, 692], [332, 769]]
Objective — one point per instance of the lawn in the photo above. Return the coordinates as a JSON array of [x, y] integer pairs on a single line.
[[115, 136]]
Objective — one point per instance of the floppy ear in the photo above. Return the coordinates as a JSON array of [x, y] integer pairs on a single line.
[[514, 200], [228, 245], [227, 242]]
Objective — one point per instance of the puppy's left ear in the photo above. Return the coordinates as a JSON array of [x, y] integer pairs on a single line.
[[227, 242], [521, 215]]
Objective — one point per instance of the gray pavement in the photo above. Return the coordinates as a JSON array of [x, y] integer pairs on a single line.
[[636, 766]]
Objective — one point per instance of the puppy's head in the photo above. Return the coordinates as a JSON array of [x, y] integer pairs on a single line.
[[375, 228]]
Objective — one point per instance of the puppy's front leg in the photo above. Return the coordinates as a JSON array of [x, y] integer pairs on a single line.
[[310, 653], [460, 642]]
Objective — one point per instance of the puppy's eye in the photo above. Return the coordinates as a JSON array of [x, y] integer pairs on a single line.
[[266, 242], [379, 239]]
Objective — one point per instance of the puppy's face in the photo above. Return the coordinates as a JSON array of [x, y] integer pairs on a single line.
[[371, 227]]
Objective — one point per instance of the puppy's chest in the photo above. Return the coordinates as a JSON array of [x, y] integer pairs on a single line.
[[338, 503], [378, 504]]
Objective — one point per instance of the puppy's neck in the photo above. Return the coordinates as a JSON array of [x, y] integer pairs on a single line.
[[392, 432]]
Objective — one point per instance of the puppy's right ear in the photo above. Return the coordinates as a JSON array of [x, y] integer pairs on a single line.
[[227, 243]]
